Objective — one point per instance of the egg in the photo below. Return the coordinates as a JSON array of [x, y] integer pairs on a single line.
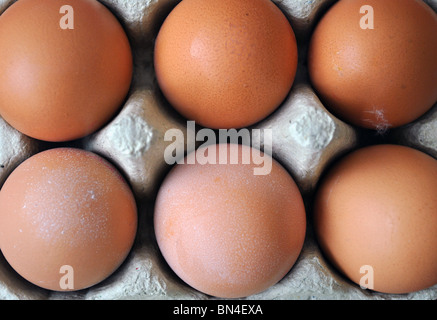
[[224, 230], [225, 63], [67, 219], [375, 217], [66, 67], [373, 63]]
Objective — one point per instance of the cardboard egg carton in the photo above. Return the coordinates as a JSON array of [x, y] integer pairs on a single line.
[[307, 138]]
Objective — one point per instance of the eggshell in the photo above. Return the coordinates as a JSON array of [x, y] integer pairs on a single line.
[[225, 63], [377, 208], [376, 78], [225, 231], [66, 207], [62, 84]]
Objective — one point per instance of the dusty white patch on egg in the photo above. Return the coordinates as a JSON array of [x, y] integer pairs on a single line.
[[47, 214]]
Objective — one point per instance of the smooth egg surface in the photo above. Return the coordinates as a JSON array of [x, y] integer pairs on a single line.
[[373, 62], [225, 63], [225, 231], [65, 71], [376, 218]]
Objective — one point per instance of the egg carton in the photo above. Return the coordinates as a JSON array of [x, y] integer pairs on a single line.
[[307, 138]]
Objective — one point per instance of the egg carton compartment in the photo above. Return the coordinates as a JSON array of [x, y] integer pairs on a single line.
[[307, 139]]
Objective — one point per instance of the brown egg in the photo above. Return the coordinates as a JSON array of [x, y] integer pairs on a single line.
[[67, 219], [226, 231], [225, 63], [376, 78], [56, 83], [376, 218]]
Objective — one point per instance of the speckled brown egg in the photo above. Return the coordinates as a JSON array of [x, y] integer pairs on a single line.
[[376, 218], [225, 63], [66, 67], [67, 219], [373, 62], [226, 231]]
